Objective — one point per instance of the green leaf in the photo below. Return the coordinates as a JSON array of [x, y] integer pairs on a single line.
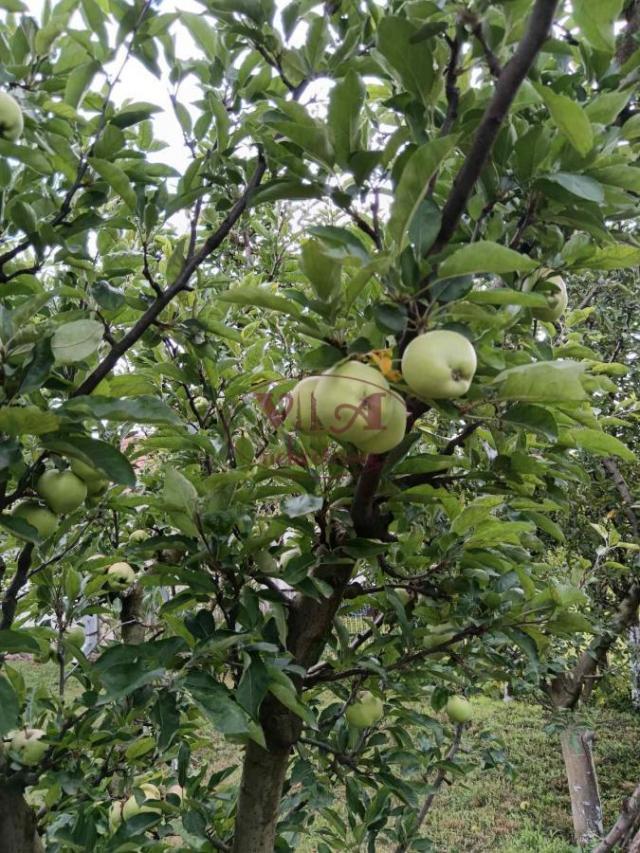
[[106, 295], [140, 747], [139, 410], [9, 707], [485, 257], [116, 179], [301, 505], [345, 115], [179, 493], [617, 256], [596, 19], [30, 157], [289, 698], [507, 296], [413, 185], [93, 452], [203, 35], [578, 185], [606, 107], [132, 114], [16, 642], [20, 528], [322, 270], [260, 297], [217, 704], [411, 61], [570, 118], [76, 341], [38, 367], [27, 420], [535, 418], [253, 686], [597, 442], [284, 189], [542, 381], [424, 227]]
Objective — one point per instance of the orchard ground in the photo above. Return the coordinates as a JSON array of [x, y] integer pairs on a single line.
[[524, 811]]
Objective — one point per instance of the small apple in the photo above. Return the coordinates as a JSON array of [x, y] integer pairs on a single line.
[[138, 536], [120, 575], [201, 405], [38, 516], [439, 365], [392, 432], [28, 746], [93, 479], [555, 289], [459, 709], [11, 121], [62, 491], [76, 636], [115, 815], [302, 412], [131, 808], [365, 712], [354, 403]]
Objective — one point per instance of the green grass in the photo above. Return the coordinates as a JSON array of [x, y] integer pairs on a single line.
[[492, 810]]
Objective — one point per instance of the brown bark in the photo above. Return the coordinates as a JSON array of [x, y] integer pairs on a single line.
[[263, 776], [18, 830], [583, 784], [628, 42], [624, 824], [130, 618]]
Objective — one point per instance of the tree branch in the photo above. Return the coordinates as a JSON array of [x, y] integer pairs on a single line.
[[611, 467], [10, 598], [628, 816], [506, 89]]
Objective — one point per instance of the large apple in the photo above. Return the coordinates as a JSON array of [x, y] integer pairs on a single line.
[[555, 289], [76, 636], [354, 402], [62, 491], [93, 479], [392, 430], [11, 121], [38, 516], [459, 709], [132, 807], [27, 745], [365, 712], [439, 365], [302, 412], [120, 575]]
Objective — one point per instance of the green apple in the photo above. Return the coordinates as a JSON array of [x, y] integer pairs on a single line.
[[392, 431], [365, 712], [11, 121], [93, 479], [439, 365], [132, 807], [354, 403], [555, 289], [138, 536], [201, 405], [62, 491], [76, 635], [38, 516], [120, 575], [115, 815], [27, 746], [459, 709], [302, 412]]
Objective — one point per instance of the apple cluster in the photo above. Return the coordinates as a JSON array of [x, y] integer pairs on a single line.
[[354, 402], [62, 492]]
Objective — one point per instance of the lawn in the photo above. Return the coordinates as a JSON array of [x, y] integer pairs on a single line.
[[521, 812]]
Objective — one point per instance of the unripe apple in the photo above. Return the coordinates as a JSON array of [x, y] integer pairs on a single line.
[[28, 746], [354, 403], [62, 491], [93, 479], [459, 709], [131, 808], [201, 405], [11, 120], [38, 516], [120, 576], [555, 289], [365, 712], [138, 536], [115, 815], [302, 412], [76, 636], [439, 365], [392, 432]]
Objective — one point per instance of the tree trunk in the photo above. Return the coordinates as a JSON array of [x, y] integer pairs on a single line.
[[131, 616], [583, 784], [18, 830], [263, 776], [634, 655]]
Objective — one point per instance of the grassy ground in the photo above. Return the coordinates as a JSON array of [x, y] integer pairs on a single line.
[[526, 812]]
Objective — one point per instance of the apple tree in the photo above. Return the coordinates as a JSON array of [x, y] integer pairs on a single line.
[[398, 205]]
